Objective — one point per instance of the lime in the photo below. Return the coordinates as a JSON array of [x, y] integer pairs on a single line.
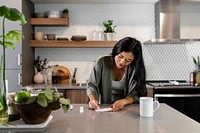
[[22, 96]]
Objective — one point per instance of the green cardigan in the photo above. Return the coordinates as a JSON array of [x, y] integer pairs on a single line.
[[100, 81]]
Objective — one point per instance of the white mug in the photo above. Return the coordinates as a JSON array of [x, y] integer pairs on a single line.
[[147, 106]]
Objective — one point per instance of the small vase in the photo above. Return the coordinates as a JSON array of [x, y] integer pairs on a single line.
[[65, 15], [38, 78], [197, 77], [4, 118]]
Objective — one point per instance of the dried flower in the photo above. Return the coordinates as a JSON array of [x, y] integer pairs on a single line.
[[40, 64]]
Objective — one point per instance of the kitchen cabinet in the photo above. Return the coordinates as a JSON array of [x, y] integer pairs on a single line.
[[150, 92], [15, 70], [77, 95], [14, 80]]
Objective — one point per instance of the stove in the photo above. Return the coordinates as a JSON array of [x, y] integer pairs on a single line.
[[181, 95]]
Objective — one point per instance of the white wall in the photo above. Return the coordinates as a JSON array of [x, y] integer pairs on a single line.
[[170, 61]]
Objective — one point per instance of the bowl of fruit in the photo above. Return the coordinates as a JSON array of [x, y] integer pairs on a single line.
[[37, 108]]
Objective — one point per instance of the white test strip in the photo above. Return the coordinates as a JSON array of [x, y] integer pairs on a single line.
[[104, 110]]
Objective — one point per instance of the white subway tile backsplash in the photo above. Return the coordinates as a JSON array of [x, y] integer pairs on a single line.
[[162, 61]]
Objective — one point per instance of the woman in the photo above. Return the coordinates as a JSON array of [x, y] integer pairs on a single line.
[[118, 79]]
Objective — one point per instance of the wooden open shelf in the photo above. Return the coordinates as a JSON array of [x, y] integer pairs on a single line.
[[72, 44], [50, 21]]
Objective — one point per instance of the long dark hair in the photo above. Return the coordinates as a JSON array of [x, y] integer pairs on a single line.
[[129, 44]]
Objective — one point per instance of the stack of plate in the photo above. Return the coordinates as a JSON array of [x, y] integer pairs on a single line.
[[54, 14], [78, 38]]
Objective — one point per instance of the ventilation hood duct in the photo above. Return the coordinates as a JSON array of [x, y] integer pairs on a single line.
[[167, 22]]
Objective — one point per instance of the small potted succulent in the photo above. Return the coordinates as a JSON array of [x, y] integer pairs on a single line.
[[197, 70], [109, 30], [65, 13]]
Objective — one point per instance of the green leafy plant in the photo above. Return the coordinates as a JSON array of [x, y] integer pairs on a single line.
[[47, 97], [197, 63], [109, 28], [6, 40], [65, 11]]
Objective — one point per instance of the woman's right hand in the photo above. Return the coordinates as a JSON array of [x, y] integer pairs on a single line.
[[93, 104]]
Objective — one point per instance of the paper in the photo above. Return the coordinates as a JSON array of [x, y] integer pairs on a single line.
[[103, 110]]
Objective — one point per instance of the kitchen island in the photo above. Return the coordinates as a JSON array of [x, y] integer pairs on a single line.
[[165, 120]]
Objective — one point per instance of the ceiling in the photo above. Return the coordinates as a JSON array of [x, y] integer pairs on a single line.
[[100, 1], [92, 1]]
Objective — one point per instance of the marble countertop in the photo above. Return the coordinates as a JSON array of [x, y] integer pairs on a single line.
[[64, 86], [128, 120], [58, 86]]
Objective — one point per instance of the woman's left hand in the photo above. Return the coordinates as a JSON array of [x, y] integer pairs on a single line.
[[118, 105]]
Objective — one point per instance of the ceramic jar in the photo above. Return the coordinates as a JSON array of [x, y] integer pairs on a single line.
[[39, 36], [38, 78]]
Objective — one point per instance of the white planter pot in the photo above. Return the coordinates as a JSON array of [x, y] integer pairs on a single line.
[[109, 36]]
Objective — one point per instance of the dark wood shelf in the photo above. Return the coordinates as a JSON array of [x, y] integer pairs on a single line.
[[50, 21], [72, 44]]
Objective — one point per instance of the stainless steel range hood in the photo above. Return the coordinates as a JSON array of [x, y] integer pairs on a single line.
[[167, 22]]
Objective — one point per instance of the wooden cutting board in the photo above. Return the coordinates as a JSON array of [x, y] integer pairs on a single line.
[[63, 73]]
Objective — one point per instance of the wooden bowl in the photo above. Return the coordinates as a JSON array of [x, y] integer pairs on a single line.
[[33, 113]]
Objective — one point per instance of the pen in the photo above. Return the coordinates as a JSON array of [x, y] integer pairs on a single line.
[[96, 104]]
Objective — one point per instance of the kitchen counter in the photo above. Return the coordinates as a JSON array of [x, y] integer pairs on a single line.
[[58, 86], [66, 86], [165, 120], [77, 94]]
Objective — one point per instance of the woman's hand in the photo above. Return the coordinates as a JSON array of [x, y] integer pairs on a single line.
[[93, 104], [118, 105]]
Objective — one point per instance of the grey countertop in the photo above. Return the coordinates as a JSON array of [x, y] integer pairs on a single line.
[[165, 120], [64, 86], [58, 86]]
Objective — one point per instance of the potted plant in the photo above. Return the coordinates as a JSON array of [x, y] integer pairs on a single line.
[[197, 70], [6, 40], [109, 29], [40, 65], [42, 102], [65, 13]]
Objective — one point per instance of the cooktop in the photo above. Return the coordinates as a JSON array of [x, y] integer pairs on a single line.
[[157, 83]]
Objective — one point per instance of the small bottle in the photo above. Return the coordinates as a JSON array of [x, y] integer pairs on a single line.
[[193, 78], [49, 75], [73, 81], [55, 77]]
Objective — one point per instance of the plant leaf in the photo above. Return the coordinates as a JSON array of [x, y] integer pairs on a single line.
[[12, 14], [48, 94], [56, 95], [8, 44], [14, 35], [64, 101], [31, 100], [41, 100], [65, 108]]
